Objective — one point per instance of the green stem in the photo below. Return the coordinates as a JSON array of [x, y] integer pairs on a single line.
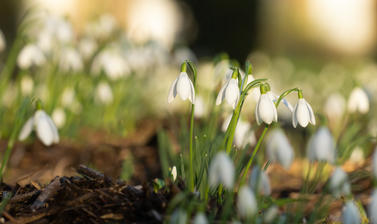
[[6, 158], [256, 148], [190, 145]]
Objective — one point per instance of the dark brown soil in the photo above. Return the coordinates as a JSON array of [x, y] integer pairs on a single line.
[[89, 198]]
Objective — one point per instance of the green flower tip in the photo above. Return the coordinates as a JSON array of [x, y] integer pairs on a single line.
[[299, 93], [235, 73], [184, 67], [249, 69], [264, 88], [38, 105]]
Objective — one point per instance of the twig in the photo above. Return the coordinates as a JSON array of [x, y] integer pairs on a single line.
[[49, 191], [93, 174]]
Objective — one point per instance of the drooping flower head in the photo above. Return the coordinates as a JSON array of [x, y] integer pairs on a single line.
[[230, 91], [339, 184], [351, 214], [182, 86], [246, 203], [321, 146], [259, 181], [221, 171], [358, 101], [303, 113], [265, 110], [279, 149]]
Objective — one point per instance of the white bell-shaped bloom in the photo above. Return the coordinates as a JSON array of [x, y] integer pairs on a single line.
[[372, 208], [200, 107], [70, 60], [339, 184], [27, 85], [183, 87], [321, 146], [44, 127], [243, 134], [246, 203], [335, 106], [112, 63], [303, 114], [230, 92], [59, 118], [104, 93], [179, 216], [279, 149], [2, 42], [358, 101], [265, 110], [374, 164], [221, 171], [87, 47], [351, 214], [30, 55], [259, 181], [200, 218], [271, 214]]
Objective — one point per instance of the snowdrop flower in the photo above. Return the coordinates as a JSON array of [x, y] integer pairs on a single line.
[[221, 171], [339, 184], [30, 55], [374, 164], [279, 149], [351, 214], [58, 116], [44, 127], [372, 208], [243, 134], [87, 47], [357, 156], [179, 216], [200, 218], [246, 203], [265, 110], [358, 101], [70, 60], [68, 96], [335, 106], [230, 92], [271, 214], [112, 63], [303, 113], [321, 146], [104, 94], [259, 181], [2, 41], [27, 85], [174, 173], [182, 86]]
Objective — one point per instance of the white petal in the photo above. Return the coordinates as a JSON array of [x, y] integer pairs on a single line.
[[192, 95], [232, 93], [294, 117], [183, 86], [267, 111], [54, 129], [246, 202], [311, 113], [173, 91], [221, 95], [26, 129], [43, 128], [257, 117], [302, 113]]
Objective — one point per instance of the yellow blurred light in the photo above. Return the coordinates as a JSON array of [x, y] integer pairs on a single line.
[[56, 7], [156, 20], [347, 26]]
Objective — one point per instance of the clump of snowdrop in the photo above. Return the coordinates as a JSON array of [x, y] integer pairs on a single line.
[[200, 218], [303, 113], [43, 125], [246, 204], [27, 85], [351, 214], [358, 101], [339, 184], [265, 110], [259, 181], [372, 208], [30, 55], [321, 146], [230, 91], [70, 60], [182, 86], [2, 42], [279, 149], [112, 63], [104, 93], [59, 118], [221, 171]]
